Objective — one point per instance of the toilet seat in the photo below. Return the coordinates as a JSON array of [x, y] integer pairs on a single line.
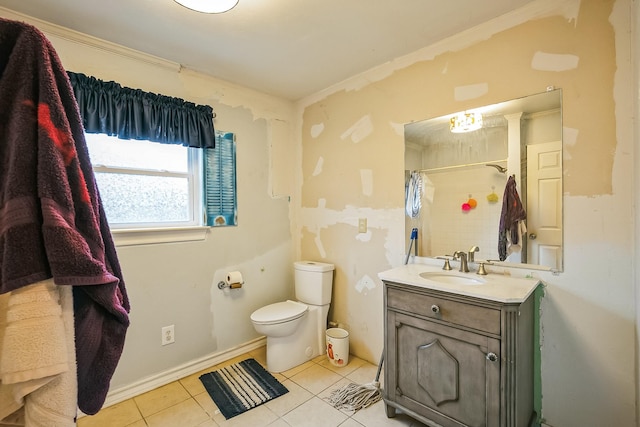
[[279, 312]]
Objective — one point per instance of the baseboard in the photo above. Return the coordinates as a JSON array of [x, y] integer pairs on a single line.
[[163, 378]]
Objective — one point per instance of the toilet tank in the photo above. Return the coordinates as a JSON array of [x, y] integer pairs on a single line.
[[313, 282]]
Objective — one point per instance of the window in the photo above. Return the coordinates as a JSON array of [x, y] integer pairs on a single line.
[[148, 185], [161, 185]]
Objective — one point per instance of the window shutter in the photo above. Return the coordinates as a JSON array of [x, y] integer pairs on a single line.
[[220, 181]]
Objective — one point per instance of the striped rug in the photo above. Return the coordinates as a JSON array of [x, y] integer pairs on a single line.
[[241, 386]]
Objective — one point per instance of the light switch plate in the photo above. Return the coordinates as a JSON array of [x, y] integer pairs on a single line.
[[362, 225]]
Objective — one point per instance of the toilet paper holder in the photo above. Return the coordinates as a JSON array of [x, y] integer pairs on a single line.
[[222, 285], [233, 280]]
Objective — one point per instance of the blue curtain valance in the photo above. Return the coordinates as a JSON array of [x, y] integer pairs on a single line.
[[109, 108]]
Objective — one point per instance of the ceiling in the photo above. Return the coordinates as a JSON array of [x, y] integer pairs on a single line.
[[287, 48]]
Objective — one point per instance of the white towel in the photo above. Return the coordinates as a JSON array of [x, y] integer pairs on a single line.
[[413, 194], [516, 247], [37, 355]]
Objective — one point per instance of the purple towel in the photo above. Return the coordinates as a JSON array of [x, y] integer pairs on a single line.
[[51, 219], [512, 213]]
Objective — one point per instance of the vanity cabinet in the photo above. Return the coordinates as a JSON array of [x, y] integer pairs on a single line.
[[456, 360]]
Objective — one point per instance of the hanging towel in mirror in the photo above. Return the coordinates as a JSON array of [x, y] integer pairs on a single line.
[[413, 194], [511, 219]]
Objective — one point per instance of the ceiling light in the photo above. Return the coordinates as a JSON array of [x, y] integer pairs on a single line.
[[208, 6], [465, 122]]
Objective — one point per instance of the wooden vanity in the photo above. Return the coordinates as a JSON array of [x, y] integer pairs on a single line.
[[459, 355]]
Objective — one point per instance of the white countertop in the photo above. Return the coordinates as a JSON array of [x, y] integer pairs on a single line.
[[497, 287]]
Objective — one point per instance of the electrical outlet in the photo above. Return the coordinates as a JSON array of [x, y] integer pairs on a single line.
[[362, 225], [168, 335]]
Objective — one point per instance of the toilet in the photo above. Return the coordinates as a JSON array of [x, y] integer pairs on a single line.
[[295, 330]]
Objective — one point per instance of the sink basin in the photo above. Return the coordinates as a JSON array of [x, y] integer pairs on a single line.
[[452, 278]]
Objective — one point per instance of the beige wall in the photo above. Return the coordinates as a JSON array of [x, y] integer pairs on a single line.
[[176, 283], [352, 167], [635, 52]]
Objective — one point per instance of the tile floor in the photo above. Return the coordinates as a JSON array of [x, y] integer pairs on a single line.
[[185, 403]]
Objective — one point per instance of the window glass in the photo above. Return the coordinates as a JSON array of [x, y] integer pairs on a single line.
[[145, 184], [128, 153], [137, 199]]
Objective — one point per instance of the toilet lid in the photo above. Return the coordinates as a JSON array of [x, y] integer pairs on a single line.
[[279, 312]]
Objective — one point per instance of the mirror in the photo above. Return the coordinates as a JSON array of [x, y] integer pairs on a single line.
[[455, 198]]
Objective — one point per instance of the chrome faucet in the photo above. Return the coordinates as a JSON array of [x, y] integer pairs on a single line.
[[464, 267], [472, 252]]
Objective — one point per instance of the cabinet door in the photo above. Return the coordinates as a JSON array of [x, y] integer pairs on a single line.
[[445, 374]]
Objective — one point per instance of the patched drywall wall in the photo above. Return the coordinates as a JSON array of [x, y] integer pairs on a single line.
[[587, 314]]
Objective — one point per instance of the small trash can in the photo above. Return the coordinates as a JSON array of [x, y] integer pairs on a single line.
[[338, 346]]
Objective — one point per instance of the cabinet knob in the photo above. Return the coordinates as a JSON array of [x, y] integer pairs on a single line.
[[435, 308], [492, 357]]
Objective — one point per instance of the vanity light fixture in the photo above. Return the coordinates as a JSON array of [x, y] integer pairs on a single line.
[[465, 122], [208, 6]]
